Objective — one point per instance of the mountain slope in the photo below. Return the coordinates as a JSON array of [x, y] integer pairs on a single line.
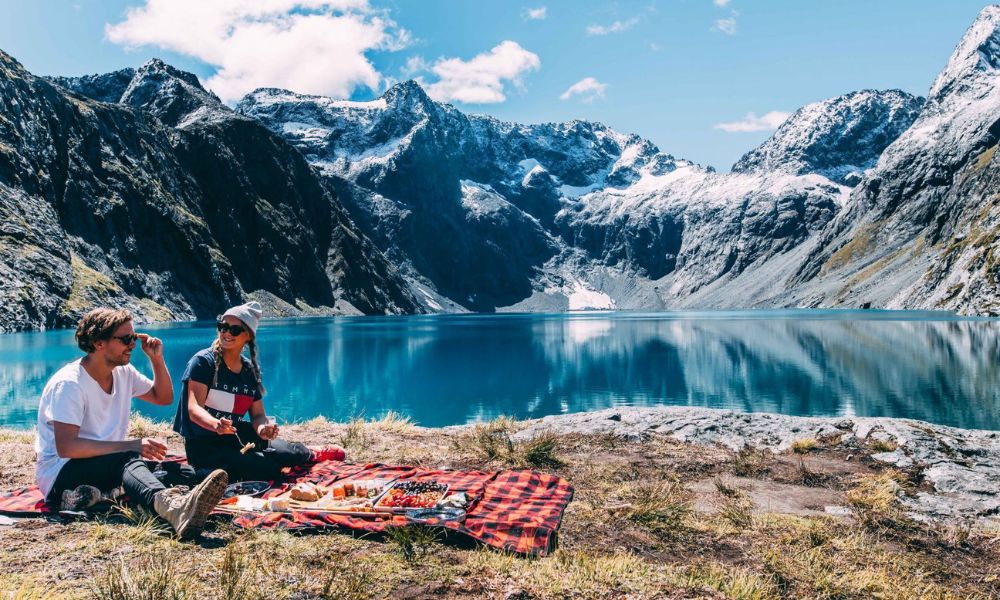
[[104, 205], [921, 229]]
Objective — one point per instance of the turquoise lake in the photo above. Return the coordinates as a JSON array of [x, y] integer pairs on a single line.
[[455, 369]]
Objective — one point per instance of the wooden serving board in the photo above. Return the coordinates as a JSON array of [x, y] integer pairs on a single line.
[[303, 505], [381, 514]]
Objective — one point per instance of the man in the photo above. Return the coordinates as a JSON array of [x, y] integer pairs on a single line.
[[83, 422]]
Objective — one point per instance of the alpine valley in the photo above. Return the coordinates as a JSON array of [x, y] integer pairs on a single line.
[[139, 188]]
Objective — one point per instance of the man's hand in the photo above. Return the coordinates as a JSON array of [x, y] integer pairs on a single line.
[[267, 432], [224, 427], [152, 449], [151, 346]]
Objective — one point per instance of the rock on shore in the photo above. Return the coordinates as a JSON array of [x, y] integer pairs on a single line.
[[961, 465]]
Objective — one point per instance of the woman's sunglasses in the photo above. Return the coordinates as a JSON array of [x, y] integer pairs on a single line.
[[234, 330]]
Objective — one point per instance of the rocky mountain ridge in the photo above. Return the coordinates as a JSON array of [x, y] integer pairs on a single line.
[[571, 215], [108, 203]]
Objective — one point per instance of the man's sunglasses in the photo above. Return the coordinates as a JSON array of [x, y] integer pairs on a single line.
[[234, 330], [127, 339]]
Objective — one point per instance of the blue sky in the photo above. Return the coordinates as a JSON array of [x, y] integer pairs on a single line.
[[671, 71]]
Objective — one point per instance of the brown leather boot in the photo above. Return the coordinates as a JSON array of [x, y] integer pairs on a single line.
[[187, 512]]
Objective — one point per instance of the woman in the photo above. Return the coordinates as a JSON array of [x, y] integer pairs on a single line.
[[220, 386]]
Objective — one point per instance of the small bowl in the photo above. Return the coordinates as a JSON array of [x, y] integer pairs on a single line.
[[246, 488]]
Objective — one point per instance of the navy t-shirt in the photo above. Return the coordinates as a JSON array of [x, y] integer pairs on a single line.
[[230, 398]]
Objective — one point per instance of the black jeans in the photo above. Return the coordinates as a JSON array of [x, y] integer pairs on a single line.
[[264, 462], [126, 469]]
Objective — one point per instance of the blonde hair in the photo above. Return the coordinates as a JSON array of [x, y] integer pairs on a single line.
[[217, 354]]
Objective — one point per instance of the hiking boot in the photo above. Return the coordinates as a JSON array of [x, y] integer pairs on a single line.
[[187, 512], [328, 453], [80, 498]]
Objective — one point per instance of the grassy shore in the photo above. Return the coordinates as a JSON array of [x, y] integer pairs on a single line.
[[655, 518]]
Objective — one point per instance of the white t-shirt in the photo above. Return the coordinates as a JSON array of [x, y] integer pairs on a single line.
[[72, 396]]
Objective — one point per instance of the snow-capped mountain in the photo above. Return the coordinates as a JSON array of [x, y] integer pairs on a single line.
[[921, 229], [839, 138], [575, 214]]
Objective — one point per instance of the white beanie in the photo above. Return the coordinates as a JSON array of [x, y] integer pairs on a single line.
[[249, 313]]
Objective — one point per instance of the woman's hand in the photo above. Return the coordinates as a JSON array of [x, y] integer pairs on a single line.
[[224, 427], [267, 432]]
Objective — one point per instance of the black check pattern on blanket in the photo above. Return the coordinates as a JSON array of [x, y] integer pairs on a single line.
[[518, 511]]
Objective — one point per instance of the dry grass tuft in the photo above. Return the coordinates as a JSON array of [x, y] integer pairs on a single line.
[[581, 574], [878, 446], [855, 566], [145, 578], [237, 574], [356, 435], [750, 462], [736, 507], [539, 451], [725, 489], [316, 422], [143, 525], [491, 443], [809, 477], [874, 497], [17, 436], [413, 541], [140, 426], [348, 582], [954, 535], [393, 423], [13, 587], [350, 578], [804, 445], [659, 505], [734, 582]]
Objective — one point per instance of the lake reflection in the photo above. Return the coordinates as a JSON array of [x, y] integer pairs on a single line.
[[453, 369]]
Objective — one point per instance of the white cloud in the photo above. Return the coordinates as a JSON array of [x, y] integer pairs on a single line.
[[589, 88], [655, 47], [309, 46], [534, 14], [415, 64], [726, 26], [616, 27], [752, 122], [481, 80], [721, 2]]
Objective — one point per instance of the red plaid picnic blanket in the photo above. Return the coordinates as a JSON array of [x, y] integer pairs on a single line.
[[518, 511]]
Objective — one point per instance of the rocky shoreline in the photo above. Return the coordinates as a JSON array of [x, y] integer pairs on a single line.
[[961, 467]]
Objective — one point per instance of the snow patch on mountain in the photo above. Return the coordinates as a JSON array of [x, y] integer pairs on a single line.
[[481, 199], [582, 297]]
